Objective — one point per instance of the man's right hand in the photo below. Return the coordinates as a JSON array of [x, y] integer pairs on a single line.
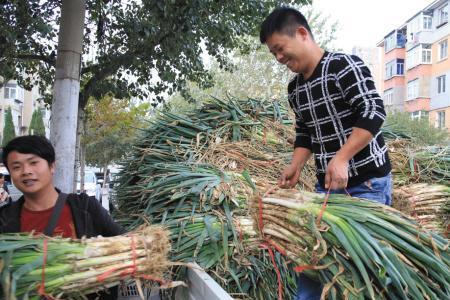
[[289, 177]]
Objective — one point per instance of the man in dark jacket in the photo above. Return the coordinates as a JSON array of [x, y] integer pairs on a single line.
[[30, 161]]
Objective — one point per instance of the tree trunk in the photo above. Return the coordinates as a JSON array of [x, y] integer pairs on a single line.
[[66, 92], [77, 151], [82, 166], [80, 154], [105, 172]]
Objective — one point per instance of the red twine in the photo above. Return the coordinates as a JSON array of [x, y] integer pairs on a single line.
[[268, 244], [41, 290], [324, 206], [131, 269]]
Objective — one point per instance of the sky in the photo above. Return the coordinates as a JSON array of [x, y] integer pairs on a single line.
[[366, 22]]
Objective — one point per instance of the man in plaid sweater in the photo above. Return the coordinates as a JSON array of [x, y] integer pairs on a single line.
[[338, 116]]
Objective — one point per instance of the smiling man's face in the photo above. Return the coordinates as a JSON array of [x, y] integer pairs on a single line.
[[30, 173], [289, 50]]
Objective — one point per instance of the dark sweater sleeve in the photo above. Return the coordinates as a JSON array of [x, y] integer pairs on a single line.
[[357, 85], [302, 136]]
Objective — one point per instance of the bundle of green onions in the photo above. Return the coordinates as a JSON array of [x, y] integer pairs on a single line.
[[424, 202], [432, 164], [358, 249], [63, 268], [445, 215]]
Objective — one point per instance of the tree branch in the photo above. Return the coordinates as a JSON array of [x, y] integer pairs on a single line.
[[47, 59], [101, 71]]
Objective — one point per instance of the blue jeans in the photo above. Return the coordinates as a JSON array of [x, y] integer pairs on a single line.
[[375, 189]]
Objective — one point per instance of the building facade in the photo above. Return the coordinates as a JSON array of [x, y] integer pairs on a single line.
[[416, 66], [22, 103], [372, 58]]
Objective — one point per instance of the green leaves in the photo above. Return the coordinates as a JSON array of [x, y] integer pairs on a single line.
[[158, 43], [110, 127], [8, 130], [37, 126]]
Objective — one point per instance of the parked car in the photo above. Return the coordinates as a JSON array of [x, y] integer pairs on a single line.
[[92, 186]]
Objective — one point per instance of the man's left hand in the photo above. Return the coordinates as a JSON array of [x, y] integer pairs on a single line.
[[336, 176]]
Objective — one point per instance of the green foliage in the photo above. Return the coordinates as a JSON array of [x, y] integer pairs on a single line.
[[111, 126], [160, 44], [37, 126], [420, 130], [255, 73], [8, 130], [323, 28]]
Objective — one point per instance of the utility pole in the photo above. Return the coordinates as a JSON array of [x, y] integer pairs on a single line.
[[66, 91]]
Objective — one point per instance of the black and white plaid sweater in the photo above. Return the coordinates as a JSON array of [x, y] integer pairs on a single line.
[[339, 95]]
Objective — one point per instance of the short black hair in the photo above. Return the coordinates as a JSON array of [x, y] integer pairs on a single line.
[[282, 20], [30, 144], [1, 175]]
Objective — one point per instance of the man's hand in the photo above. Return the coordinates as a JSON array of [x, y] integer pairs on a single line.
[[336, 176], [289, 177]]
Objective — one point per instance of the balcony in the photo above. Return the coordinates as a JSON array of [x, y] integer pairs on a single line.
[[396, 39]]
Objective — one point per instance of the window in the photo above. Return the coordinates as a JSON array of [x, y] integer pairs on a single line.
[[441, 84], [443, 47], [388, 97], [426, 54], [427, 22], [440, 120], [417, 115], [443, 14], [400, 67], [10, 91], [394, 67], [389, 43], [395, 40], [418, 55], [413, 89]]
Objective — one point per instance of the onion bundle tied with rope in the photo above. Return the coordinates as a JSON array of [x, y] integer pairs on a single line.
[[356, 248], [34, 266]]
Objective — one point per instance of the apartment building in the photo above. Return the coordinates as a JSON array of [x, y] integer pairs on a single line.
[[416, 65], [371, 57], [22, 103]]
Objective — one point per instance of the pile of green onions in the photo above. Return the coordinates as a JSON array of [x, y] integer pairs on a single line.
[[184, 172], [432, 164], [424, 202]]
